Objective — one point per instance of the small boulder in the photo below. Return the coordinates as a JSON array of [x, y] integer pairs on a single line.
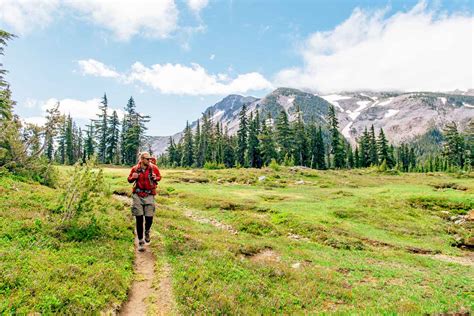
[[262, 178], [470, 215], [299, 182]]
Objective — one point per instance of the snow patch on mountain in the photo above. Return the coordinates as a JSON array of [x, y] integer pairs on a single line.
[[333, 98], [468, 105], [391, 113], [362, 105], [386, 102], [286, 101], [443, 100], [346, 130]]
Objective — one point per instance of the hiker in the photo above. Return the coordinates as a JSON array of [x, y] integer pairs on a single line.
[[145, 176]]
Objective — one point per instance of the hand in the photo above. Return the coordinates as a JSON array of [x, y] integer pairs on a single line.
[[154, 177], [134, 175]]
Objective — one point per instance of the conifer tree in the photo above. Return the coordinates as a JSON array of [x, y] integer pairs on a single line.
[[198, 146], [253, 156], [242, 133], [283, 135], [102, 130], [267, 142], [89, 144], [300, 148], [454, 145], [319, 150], [113, 138], [188, 147], [68, 142], [337, 143], [374, 160], [229, 154]]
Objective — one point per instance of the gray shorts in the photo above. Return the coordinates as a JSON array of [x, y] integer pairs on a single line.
[[143, 205]]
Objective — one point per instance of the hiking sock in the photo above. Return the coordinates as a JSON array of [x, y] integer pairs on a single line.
[[148, 222], [139, 227]]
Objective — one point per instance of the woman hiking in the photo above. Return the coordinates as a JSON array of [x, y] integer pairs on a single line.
[[145, 176]]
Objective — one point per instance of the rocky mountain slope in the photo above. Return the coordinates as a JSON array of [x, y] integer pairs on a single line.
[[403, 116]]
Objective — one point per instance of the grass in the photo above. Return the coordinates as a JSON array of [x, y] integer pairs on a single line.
[[307, 241], [339, 241], [45, 267]]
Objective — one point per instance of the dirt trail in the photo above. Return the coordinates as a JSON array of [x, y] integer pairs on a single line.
[[149, 294]]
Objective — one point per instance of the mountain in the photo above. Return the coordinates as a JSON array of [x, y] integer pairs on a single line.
[[403, 116]]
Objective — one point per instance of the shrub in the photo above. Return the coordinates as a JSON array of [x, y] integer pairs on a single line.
[[83, 190], [213, 165], [274, 165]]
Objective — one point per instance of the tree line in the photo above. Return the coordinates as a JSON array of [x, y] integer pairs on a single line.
[[261, 141], [112, 140]]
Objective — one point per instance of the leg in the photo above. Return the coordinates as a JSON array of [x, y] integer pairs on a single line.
[[148, 222], [139, 220]]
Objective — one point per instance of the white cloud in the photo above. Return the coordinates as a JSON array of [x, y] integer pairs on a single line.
[[416, 50], [96, 68], [197, 5], [24, 16], [78, 109], [194, 80], [179, 79], [125, 19], [151, 18]]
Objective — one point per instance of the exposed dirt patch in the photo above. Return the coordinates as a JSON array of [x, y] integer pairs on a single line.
[[265, 256], [465, 260], [123, 198], [213, 222], [450, 185]]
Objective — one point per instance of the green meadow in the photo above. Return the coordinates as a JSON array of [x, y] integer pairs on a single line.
[[248, 241]]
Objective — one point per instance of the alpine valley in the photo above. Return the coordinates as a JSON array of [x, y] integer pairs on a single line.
[[404, 116]]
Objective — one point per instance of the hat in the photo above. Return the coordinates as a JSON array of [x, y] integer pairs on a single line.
[[145, 155]]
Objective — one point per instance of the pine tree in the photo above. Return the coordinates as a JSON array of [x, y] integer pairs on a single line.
[[113, 138], [267, 142], [229, 153], [188, 147], [454, 146], [350, 157], [320, 151], [102, 130], [283, 136], [253, 156], [242, 136], [364, 149], [383, 149], [300, 148], [69, 149], [356, 158], [198, 154], [374, 160], [337, 143], [89, 144]]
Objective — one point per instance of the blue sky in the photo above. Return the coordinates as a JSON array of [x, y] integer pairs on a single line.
[[178, 57]]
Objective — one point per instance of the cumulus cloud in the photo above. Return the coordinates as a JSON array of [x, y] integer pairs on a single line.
[[26, 15], [197, 5], [96, 68], [151, 18], [77, 109], [181, 79], [420, 49], [125, 19]]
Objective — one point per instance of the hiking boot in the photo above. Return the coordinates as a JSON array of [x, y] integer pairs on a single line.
[[147, 236], [141, 245]]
